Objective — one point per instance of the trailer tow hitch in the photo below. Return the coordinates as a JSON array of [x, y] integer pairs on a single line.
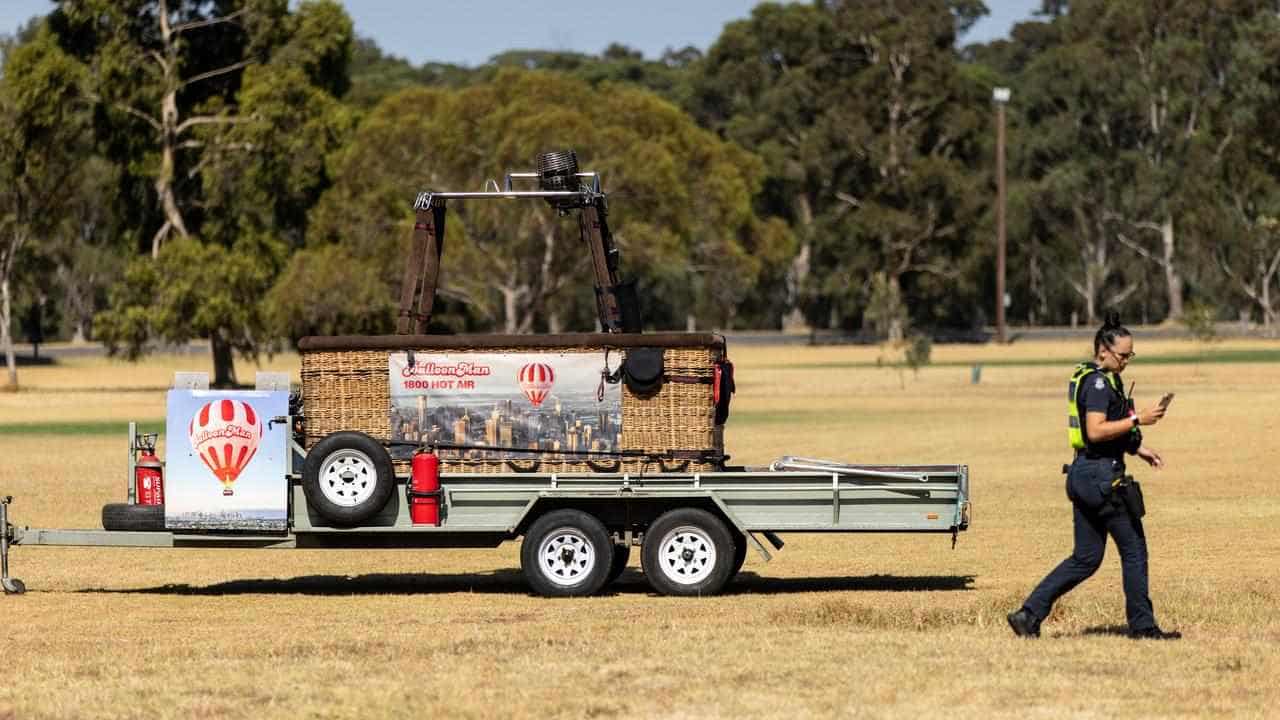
[[12, 586]]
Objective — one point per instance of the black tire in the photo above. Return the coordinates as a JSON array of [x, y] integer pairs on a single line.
[[566, 553], [687, 552], [739, 555], [348, 477], [621, 556], [123, 516]]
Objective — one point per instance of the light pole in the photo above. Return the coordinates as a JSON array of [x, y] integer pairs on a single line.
[[1001, 97]]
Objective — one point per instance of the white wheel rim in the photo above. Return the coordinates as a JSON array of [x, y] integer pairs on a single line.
[[566, 557], [347, 478], [687, 555]]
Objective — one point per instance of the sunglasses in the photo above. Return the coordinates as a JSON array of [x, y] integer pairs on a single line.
[[1126, 356]]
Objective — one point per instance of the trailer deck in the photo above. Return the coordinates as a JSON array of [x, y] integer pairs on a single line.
[[484, 510]]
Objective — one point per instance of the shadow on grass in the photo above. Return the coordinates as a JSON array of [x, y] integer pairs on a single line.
[[749, 583], [501, 582], [1120, 630], [511, 582]]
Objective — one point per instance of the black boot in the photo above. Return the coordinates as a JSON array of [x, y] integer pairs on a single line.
[[1154, 633], [1024, 624]]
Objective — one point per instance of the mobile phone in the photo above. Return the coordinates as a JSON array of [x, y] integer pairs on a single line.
[[1164, 401]]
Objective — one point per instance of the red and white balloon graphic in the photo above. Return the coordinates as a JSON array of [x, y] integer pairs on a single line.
[[225, 434], [536, 380]]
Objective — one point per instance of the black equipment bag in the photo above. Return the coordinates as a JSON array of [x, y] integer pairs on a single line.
[[1132, 496], [642, 370], [724, 389]]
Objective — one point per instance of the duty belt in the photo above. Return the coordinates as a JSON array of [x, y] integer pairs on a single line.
[[1088, 455]]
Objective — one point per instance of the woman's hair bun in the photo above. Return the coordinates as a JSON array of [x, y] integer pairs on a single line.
[[1112, 320]]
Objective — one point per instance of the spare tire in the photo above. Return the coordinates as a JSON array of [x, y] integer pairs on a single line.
[[123, 516], [348, 477]]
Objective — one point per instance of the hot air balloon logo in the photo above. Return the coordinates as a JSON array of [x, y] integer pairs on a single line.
[[536, 380], [225, 434]]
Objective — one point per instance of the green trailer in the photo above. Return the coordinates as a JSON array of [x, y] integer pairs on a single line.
[[693, 529]]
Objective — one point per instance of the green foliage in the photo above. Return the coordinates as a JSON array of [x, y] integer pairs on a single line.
[[1199, 321], [375, 75], [885, 313], [918, 351], [41, 146], [289, 127], [219, 118], [683, 198], [318, 39], [328, 291], [193, 290], [829, 162], [868, 134]]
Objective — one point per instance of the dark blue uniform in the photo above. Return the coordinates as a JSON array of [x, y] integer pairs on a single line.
[[1099, 510]]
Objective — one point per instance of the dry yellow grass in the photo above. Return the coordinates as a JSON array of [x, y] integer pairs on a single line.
[[835, 626]]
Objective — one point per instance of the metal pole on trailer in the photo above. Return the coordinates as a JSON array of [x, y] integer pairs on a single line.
[[130, 491]]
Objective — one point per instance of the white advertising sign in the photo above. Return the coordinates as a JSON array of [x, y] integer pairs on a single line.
[[225, 460], [546, 401]]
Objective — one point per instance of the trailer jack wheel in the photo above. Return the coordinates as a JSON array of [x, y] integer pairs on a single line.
[[11, 586]]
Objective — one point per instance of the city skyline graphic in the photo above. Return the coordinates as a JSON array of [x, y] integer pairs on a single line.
[[517, 401]]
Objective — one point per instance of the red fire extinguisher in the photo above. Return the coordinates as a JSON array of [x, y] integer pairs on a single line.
[[424, 489], [148, 473]]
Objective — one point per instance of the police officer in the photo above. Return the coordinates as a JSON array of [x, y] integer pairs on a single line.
[[1105, 501]]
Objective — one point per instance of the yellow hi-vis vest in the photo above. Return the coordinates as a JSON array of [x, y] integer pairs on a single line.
[[1075, 434]]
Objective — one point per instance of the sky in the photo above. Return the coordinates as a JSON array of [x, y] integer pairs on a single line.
[[468, 32]]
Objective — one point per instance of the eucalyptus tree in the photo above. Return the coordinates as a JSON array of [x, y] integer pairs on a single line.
[[1245, 229], [682, 215], [764, 84], [909, 123], [159, 71], [42, 125], [255, 166]]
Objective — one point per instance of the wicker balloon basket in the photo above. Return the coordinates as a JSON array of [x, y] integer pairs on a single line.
[[345, 386]]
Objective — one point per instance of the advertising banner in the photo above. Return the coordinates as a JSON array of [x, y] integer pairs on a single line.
[[546, 401], [225, 460]]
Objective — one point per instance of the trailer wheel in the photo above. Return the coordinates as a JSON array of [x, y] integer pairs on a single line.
[[621, 556], [566, 553], [687, 551], [348, 477], [123, 516]]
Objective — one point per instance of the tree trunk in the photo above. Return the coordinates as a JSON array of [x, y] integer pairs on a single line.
[[1171, 277], [798, 273], [897, 322], [224, 366], [509, 309], [173, 221], [1268, 312], [6, 337]]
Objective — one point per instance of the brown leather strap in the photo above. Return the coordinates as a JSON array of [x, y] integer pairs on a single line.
[[690, 379], [421, 274]]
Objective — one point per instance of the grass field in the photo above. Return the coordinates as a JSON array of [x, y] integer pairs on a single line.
[[834, 626]]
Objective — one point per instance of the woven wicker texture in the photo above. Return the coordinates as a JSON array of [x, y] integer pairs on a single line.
[[350, 390]]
